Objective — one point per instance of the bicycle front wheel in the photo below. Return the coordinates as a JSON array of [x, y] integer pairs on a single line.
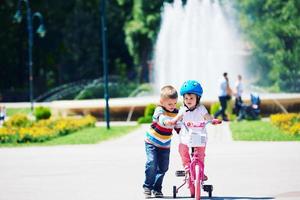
[[191, 186], [197, 182]]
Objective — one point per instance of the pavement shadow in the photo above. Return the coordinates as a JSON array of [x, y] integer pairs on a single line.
[[217, 198], [242, 198]]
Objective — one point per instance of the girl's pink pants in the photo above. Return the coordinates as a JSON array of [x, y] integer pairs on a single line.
[[185, 155]]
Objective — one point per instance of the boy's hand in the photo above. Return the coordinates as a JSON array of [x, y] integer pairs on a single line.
[[170, 122], [216, 121]]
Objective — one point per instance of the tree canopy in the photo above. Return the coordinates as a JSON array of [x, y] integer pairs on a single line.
[[273, 29], [71, 50]]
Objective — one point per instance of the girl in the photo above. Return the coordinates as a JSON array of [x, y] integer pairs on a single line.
[[192, 113]]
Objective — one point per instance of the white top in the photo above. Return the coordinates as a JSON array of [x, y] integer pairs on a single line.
[[239, 88], [194, 136], [223, 88]]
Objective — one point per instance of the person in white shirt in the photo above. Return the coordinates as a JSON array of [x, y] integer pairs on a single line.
[[224, 95], [238, 95]]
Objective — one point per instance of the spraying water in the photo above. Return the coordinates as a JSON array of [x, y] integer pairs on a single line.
[[196, 41]]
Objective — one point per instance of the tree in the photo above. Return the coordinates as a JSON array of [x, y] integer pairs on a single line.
[[69, 52], [141, 31], [273, 28]]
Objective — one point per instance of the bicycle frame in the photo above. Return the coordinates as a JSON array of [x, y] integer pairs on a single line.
[[195, 174]]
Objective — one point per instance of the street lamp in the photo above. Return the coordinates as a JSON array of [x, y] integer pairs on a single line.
[[40, 30], [104, 58]]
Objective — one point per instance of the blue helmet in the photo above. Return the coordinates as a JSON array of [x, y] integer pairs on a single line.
[[191, 87]]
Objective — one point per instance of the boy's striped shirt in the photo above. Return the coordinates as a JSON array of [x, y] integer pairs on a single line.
[[160, 134]]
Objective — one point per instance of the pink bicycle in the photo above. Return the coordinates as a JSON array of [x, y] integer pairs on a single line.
[[194, 176]]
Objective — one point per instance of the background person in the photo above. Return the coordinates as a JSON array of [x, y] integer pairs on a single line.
[[225, 93], [238, 95]]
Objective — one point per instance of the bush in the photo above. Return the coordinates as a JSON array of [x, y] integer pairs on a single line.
[[149, 110], [148, 113], [18, 120], [42, 113], [116, 89], [214, 108], [143, 120], [142, 90]]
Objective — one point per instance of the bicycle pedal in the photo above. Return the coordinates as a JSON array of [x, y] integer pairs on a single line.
[[180, 173], [207, 188]]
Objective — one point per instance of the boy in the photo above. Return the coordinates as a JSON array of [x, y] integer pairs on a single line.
[[157, 142]]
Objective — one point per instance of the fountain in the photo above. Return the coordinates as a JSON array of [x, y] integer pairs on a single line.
[[197, 41]]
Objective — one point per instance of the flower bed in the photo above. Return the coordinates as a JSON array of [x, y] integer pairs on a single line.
[[289, 123], [19, 128]]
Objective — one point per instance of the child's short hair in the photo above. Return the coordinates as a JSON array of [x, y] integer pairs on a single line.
[[168, 92]]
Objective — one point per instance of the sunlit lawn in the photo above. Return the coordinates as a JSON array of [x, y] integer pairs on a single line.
[[12, 111], [259, 131]]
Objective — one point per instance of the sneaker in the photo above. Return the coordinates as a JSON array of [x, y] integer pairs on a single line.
[[147, 192], [158, 194], [226, 119]]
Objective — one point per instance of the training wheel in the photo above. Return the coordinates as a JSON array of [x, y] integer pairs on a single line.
[[208, 189], [174, 192]]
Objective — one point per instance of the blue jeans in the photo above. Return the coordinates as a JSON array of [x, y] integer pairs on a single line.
[[238, 105], [157, 165], [223, 104]]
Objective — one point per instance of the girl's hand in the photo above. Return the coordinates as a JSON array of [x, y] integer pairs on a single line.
[[216, 121]]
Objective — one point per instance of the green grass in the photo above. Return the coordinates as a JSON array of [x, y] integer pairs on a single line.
[[12, 111], [259, 131], [85, 136]]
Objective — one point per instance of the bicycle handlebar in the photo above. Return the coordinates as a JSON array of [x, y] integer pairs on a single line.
[[201, 124]]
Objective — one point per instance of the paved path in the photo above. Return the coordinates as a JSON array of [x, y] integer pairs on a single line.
[[115, 170]]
